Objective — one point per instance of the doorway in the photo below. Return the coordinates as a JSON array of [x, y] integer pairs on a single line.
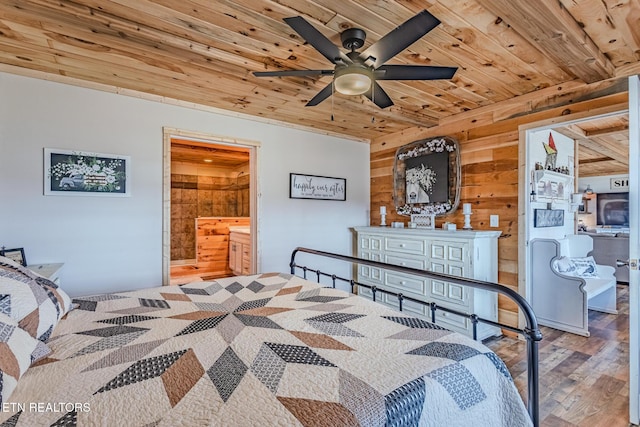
[[209, 200], [605, 144]]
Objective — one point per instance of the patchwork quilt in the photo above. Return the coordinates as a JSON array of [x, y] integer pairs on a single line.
[[261, 350]]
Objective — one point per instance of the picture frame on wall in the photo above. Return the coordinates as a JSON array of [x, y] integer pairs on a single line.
[[548, 218], [16, 254], [78, 173], [316, 187]]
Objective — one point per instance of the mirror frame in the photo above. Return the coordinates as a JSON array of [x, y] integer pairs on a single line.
[[421, 150]]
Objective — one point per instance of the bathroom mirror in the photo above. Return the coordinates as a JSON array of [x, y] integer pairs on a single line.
[[426, 177]]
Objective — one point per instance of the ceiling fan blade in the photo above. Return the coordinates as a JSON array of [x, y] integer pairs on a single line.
[[321, 96], [301, 73], [414, 72], [399, 39], [316, 39], [379, 97]]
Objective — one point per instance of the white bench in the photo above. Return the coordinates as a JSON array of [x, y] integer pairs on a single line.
[[562, 300]]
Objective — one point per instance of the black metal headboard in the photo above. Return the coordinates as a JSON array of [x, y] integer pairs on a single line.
[[530, 332]]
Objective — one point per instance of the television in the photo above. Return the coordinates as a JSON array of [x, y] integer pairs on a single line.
[[613, 209]]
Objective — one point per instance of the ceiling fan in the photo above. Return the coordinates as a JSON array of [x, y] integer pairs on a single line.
[[357, 73]]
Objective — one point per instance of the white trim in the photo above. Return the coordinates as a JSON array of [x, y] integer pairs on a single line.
[[254, 191], [634, 251]]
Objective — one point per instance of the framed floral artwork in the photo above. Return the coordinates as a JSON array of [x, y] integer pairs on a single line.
[[77, 173], [427, 177]]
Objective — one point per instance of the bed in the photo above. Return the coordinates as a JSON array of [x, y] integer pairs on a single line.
[[266, 349]]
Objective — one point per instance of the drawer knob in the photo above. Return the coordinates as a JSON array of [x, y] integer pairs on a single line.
[[402, 282], [445, 314], [402, 245], [403, 263]]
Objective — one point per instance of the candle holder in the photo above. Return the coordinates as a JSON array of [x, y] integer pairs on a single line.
[[383, 220], [466, 211], [467, 222]]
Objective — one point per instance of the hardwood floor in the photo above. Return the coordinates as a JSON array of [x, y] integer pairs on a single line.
[[583, 381]]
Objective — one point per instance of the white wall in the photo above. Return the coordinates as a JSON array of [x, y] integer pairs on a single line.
[[113, 244]]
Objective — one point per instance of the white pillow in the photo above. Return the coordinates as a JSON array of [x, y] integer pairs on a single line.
[[585, 267], [36, 303], [564, 265]]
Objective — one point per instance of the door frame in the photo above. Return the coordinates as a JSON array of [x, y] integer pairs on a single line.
[[254, 208], [524, 210], [634, 251]]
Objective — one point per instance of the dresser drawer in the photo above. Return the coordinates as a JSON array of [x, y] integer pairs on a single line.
[[452, 321], [405, 283], [408, 307], [404, 261], [405, 246]]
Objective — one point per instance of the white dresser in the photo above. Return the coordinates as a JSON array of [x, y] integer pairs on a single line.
[[471, 254]]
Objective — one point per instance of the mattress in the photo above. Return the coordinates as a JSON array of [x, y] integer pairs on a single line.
[[260, 350]]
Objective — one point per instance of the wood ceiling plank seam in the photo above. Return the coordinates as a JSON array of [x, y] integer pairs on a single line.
[[557, 34], [194, 75], [123, 26], [596, 19], [245, 27], [609, 131], [626, 19], [605, 150], [494, 52], [203, 51], [75, 68], [117, 43], [505, 36]]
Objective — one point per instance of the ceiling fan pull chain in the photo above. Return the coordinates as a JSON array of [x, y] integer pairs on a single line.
[[332, 94], [373, 99]]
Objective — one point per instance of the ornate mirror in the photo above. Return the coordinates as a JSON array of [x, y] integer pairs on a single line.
[[426, 177]]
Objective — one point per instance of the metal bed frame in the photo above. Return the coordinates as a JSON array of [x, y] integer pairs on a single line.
[[531, 332]]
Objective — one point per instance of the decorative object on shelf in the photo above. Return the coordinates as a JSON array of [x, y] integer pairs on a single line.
[[383, 216], [449, 226], [552, 153], [77, 173], [427, 221], [466, 211], [588, 191], [426, 177], [576, 201], [548, 218], [16, 255], [317, 187]]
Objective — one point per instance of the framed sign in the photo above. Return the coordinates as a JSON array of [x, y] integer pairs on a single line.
[[548, 218], [317, 187], [76, 173]]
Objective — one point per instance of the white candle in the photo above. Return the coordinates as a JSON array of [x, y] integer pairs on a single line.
[[466, 208], [383, 210]]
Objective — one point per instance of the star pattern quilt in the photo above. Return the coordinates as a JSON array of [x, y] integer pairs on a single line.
[[261, 350]]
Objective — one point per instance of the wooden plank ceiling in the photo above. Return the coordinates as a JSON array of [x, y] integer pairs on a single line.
[[205, 51]]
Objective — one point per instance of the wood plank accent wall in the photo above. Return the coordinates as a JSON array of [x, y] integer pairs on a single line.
[[489, 155], [212, 243]]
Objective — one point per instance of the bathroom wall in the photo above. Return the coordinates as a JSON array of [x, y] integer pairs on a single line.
[[203, 191]]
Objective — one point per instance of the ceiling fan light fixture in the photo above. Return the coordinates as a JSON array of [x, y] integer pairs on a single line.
[[352, 80]]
